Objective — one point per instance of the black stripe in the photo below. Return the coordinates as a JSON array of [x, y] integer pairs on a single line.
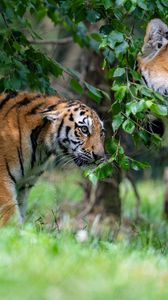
[[20, 161], [20, 144], [34, 137], [59, 128], [23, 102], [76, 147], [7, 98], [143, 77], [25, 187], [82, 113], [67, 131], [9, 172], [71, 118], [71, 103], [84, 119], [34, 109], [76, 133], [51, 107], [75, 142], [65, 140], [64, 149]]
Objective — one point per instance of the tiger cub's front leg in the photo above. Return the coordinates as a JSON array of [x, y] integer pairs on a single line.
[[8, 204]]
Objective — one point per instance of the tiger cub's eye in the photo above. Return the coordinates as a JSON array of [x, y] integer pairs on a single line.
[[84, 129]]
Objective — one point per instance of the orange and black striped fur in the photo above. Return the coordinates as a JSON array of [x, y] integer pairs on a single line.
[[32, 127], [153, 66], [153, 58]]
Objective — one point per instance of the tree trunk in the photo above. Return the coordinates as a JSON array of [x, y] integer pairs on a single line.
[[107, 195]]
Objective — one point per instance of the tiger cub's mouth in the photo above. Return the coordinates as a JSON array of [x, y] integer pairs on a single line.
[[82, 162]]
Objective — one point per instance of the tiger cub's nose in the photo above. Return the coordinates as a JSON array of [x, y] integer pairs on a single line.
[[99, 155]]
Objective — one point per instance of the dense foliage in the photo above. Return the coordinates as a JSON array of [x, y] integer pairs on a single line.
[[109, 28]]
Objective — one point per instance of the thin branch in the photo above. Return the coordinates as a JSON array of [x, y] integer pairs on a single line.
[[91, 203], [52, 42]]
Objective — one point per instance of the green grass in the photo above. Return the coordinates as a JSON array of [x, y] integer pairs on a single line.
[[47, 264]]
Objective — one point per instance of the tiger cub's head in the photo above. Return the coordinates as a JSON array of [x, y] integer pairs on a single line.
[[77, 131]]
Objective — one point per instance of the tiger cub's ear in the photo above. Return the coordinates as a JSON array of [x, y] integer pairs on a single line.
[[53, 115]]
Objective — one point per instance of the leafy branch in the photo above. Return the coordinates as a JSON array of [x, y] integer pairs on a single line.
[[108, 30]]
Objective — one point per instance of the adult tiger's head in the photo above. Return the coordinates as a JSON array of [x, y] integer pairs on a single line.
[[153, 66], [153, 57], [77, 131]]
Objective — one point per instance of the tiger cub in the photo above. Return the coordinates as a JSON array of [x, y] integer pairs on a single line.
[[32, 128]]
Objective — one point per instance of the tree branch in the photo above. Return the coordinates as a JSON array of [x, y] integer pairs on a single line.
[[137, 195], [52, 42]]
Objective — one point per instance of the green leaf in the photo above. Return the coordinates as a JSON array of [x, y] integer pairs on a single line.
[[128, 126], [121, 49], [142, 4], [94, 93], [124, 162], [114, 38], [93, 16], [92, 177], [72, 73], [17, 46], [146, 91], [104, 170], [13, 83], [158, 109], [138, 165], [74, 84], [107, 4], [116, 108], [119, 72], [105, 29], [149, 103], [120, 93], [159, 96], [144, 136], [134, 107], [120, 2], [117, 121], [164, 2], [135, 75], [54, 68]]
